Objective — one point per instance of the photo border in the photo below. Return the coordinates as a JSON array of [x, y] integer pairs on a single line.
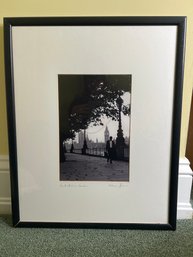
[[180, 22]]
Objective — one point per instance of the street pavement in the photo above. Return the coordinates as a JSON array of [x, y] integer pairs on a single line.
[[89, 168]]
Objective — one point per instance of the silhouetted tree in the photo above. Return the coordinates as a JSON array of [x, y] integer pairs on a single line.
[[99, 100]]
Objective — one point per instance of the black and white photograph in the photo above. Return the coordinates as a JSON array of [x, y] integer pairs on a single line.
[[94, 121], [94, 117]]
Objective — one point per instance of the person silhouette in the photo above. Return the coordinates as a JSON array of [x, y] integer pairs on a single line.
[[110, 148]]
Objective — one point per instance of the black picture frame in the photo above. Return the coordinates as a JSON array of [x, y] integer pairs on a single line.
[[12, 22]]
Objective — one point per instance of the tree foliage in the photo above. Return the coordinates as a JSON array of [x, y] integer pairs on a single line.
[[99, 100]]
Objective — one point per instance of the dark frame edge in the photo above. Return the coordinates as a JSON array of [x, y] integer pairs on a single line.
[[9, 82], [176, 126], [94, 20], [179, 21], [121, 226]]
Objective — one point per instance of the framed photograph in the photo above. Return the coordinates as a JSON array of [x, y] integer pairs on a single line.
[[94, 107]]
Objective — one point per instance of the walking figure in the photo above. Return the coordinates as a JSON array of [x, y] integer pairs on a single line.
[[110, 148]]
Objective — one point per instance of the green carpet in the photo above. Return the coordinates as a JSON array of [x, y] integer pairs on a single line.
[[16, 242]]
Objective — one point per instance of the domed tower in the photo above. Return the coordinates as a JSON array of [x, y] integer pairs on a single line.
[[106, 134]]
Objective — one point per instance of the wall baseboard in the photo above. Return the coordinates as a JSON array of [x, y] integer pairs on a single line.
[[5, 198], [4, 163], [184, 209], [5, 205]]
